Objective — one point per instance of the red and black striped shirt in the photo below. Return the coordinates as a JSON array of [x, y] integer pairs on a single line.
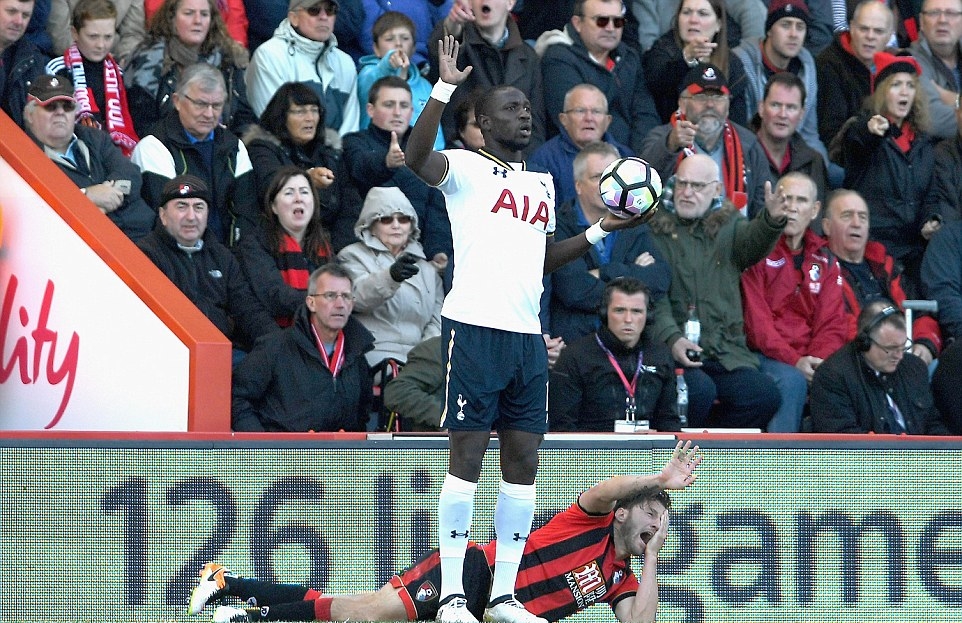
[[569, 564]]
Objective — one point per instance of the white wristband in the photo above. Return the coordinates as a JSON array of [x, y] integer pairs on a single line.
[[442, 91], [595, 233]]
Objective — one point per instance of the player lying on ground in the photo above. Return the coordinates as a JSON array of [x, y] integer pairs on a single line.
[[580, 557]]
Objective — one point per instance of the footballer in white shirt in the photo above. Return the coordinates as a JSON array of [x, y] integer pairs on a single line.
[[496, 365]]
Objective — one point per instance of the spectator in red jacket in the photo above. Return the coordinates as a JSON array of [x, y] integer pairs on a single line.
[[792, 304], [868, 272]]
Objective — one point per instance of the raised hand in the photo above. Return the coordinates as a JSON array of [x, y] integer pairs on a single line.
[[321, 177], [682, 135], [400, 60], [404, 267], [459, 14], [679, 471], [775, 201], [878, 125], [448, 50], [395, 155]]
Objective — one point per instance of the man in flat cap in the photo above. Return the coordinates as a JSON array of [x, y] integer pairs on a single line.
[[304, 49], [201, 267], [86, 155]]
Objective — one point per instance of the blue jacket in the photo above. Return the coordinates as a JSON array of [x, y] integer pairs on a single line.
[[371, 68], [942, 276], [557, 157], [576, 295], [630, 103], [424, 14]]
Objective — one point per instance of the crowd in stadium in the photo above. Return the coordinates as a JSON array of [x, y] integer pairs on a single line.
[[810, 149]]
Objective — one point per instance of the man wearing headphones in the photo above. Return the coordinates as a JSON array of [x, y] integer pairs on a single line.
[[616, 373], [872, 384]]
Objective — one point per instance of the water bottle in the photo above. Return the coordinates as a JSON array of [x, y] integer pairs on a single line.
[[681, 405], [692, 333]]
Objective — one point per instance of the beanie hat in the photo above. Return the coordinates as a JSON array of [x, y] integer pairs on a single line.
[[887, 64], [786, 8], [185, 187]]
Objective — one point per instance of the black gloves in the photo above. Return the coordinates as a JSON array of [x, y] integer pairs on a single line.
[[404, 267]]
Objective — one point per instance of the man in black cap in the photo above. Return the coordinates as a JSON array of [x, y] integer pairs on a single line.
[[86, 155], [203, 268], [701, 126]]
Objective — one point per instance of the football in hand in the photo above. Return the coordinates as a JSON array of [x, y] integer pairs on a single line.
[[630, 186]]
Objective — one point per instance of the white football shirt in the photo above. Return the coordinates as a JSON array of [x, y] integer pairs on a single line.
[[501, 215]]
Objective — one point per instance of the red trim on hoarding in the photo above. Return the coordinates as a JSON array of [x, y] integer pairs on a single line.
[[210, 351]]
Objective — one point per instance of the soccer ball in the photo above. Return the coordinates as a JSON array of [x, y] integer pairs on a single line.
[[630, 186]]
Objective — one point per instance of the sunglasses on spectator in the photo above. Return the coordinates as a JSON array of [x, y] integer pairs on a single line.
[[603, 20], [65, 105], [403, 219], [329, 9]]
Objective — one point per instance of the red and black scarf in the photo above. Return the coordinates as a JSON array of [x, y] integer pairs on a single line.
[[295, 267]]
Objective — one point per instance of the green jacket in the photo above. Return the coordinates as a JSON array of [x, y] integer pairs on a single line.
[[417, 392], [706, 271]]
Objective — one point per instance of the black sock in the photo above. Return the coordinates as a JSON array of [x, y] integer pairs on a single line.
[[295, 611], [266, 593]]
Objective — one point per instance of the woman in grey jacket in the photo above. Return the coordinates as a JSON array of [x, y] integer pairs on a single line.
[[397, 291]]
